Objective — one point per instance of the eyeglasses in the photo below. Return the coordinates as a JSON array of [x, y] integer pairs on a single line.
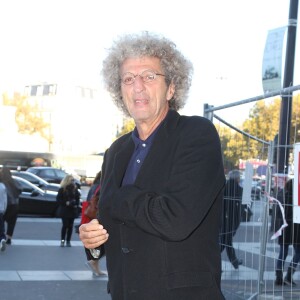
[[147, 76]]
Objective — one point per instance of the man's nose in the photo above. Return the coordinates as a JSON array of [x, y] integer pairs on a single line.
[[138, 83]]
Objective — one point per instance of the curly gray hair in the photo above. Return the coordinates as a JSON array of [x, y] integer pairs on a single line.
[[177, 68]]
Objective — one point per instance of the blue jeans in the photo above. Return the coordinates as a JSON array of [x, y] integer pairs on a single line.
[[284, 249], [2, 228]]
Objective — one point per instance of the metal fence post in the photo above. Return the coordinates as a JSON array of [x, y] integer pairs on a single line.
[[265, 221], [207, 112]]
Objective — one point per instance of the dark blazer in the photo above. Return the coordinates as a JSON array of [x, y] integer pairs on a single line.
[[163, 229]]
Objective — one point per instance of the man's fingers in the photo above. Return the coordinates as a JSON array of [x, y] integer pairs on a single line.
[[92, 225], [95, 242], [94, 221], [92, 234]]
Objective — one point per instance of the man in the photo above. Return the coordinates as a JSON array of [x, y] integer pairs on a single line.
[[232, 204], [161, 185], [289, 235]]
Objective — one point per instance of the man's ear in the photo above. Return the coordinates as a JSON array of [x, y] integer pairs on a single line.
[[171, 91]]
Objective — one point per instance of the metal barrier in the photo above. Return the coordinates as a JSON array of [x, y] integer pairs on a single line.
[[254, 279]]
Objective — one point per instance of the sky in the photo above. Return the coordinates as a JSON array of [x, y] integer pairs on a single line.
[[64, 40]]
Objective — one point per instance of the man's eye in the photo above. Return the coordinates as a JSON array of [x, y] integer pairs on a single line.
[[128, 79], [148, 77]]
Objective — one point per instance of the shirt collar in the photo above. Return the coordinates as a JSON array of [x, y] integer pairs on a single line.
[[135, 135]]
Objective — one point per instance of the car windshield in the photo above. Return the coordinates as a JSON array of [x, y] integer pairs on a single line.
[[30, 177], [27, 186]]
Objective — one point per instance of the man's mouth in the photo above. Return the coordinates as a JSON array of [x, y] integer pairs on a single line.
[[141, 101]]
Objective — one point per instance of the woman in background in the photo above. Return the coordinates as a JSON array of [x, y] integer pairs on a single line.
[[90, 214], [94, 186], [68, 198]]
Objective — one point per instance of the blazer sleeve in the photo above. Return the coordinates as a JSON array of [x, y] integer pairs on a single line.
[[178, 204]]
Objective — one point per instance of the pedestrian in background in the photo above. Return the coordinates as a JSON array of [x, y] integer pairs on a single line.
[[13, 189], [94, 186], [68, 198], [162, 184], [290, 235], [3, 205], [232, 203], [90, 213]]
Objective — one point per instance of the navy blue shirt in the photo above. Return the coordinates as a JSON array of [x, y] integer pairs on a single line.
[[138, 157]]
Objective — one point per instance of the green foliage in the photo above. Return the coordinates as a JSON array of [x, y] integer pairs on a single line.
[[128, 126], [263, 123], [29, 116]]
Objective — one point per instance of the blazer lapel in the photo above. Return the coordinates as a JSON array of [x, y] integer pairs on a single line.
[[121, 160], [160, 144]]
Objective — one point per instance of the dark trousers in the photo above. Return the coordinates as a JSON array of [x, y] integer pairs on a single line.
[[67, 228], [283, 252], [10, 217], [226, 240]]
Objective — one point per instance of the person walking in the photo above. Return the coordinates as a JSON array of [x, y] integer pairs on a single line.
[[232, 203], [3, 205], [160, 203], [13, 189], [290, 235], [88, 214], [68, 198], [94, 186]]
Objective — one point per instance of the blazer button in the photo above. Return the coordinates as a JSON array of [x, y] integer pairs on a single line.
[[125, 250]]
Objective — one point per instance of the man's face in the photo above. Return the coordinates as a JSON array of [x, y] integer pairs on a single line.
[[146, 102]]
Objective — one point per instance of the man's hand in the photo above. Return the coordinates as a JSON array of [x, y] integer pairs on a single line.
[[92, 234]]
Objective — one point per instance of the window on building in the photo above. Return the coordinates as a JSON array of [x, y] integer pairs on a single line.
[[49, 89], [33, 90], [46, 90]]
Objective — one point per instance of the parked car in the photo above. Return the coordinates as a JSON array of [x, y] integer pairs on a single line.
[[50, 174], [35, 201], [36, 180]]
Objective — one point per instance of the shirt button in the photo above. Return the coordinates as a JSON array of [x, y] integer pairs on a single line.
[[138, 161], [144, 145]]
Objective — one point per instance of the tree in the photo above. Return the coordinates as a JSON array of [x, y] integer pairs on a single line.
[[29, 116], [263, 123], [295, 122], [128, 125]]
